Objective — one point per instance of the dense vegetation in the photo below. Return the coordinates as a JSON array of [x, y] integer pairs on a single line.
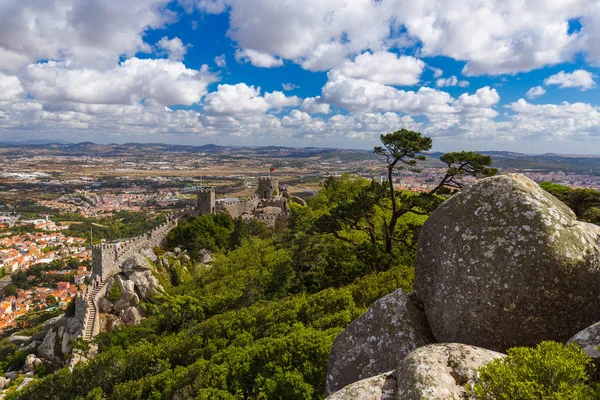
[[584, 202], [259, 323], [550, 371]]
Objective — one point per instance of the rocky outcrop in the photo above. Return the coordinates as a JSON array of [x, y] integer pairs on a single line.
[[380, 387], [503, 263], [48, 349], [377, 341], [589, 340], [433, 372], [131, 316], [441, 371]]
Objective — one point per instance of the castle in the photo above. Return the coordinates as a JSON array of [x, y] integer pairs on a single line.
[[269, 206]]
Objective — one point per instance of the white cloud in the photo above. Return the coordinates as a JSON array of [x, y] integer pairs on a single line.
[[437, 72], [164, 81], [289, 86], [577, 79], [535, 92], [10, 89], [257, 58], [385, 67], [452, 81], [221, 61], [314, 105], [244, 99], [174, 48], [93, 33], [493, 37]]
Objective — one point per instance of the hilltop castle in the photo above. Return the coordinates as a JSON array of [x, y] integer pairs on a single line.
[[269, 206]]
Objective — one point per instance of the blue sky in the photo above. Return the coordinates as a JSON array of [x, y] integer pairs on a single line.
[[491, 75]]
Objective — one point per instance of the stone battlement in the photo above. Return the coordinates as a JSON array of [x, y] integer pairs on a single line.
[[106, 257]]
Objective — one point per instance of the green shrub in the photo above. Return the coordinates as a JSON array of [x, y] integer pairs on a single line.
[[548, 371], [114, 293]]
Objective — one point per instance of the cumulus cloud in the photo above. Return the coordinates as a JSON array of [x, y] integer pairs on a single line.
[[92, 33], [174, 48], [10, 89], [577, 79], [493, 37], [221, 61], [452, 81], [385, 67], [163, 81], [314, 105], [244, 99], [289, 86], [257, 58], [535, 92]]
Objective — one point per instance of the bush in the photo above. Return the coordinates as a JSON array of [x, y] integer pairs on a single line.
[[548, 371], [114, 293]]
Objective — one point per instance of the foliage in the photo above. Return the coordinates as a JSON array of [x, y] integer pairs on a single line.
[[462, 164], [585, 203], [114, 293], [206, 232], [548, 371]]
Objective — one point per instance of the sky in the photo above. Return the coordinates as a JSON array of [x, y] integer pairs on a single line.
[[473, 75]]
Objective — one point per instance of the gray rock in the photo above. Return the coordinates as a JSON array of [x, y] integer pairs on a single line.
[[12, 375], [24, 383], [177, 250], [205, 256], [127, 300], [441, 371], [31, 362], [4, 382], [145, 283], [28, 347], [380, 387], [74, 325], [149, 254], [38, 335], [19, 340], [589, 340], [54, 321], [137, 262], [30, 373], [377, 341], [110, 322], [47, 350], [105, 305], [503, 263], [65, 346], [131, 316], [125, 284]]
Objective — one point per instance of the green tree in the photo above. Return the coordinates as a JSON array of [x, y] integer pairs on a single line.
[[402, 147], [462, 164], [548, 371], [584, 202], [10, 290]]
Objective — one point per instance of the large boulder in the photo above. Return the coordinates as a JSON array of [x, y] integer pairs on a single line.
[[136, 262], [149, 254], [503, 263], [131, 316], [589, 340], [377, 340], [145, 283], [380, 387], [441, 371], [48, 350]]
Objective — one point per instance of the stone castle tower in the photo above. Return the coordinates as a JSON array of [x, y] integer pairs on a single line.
[[268, 187], [206, 201]]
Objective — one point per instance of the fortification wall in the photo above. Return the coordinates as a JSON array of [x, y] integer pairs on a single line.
[[238, 207], [107, 258]]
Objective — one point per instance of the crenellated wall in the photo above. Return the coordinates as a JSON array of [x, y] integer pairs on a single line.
[[238, 207], [107, 257]]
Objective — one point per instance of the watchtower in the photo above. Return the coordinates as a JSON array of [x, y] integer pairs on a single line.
[[206, 201], [268, 187]]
